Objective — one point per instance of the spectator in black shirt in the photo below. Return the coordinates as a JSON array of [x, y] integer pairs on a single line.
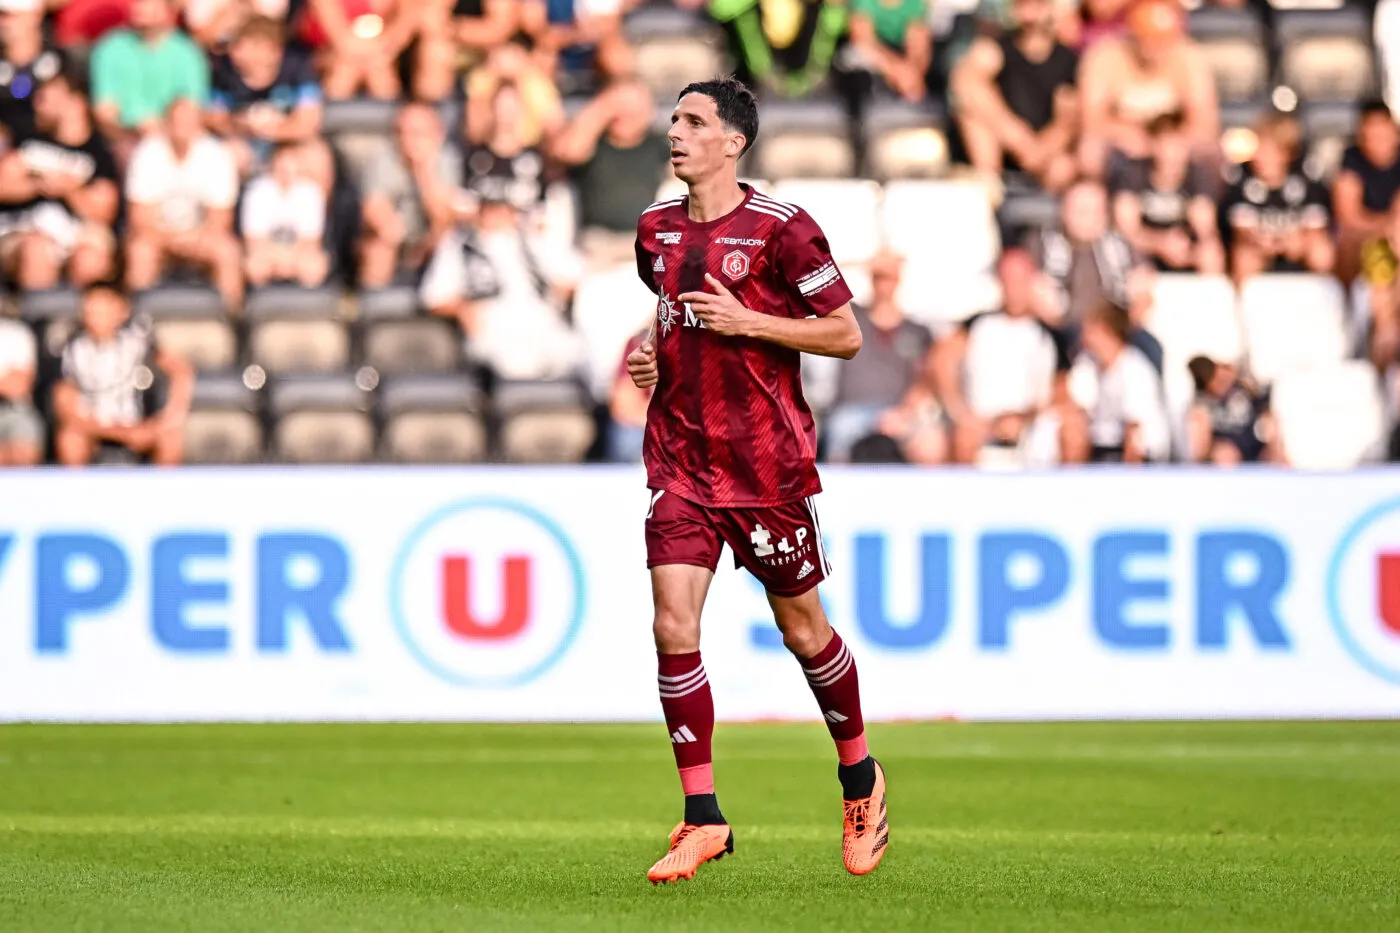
[[1015, 99], [265, 94], [1163, 204], [1365, 186], [1230, 422], [25, 62], [61, 181], [1277, 216]]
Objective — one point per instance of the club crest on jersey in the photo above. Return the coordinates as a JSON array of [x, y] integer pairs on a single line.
[[735, 264], [669, 239]]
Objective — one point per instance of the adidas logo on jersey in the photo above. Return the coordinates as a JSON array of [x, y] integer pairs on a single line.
[[833, 717], [683, 736], [806, 569], [659, 265]]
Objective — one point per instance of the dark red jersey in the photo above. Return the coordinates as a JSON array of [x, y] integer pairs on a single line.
[[728, 426]]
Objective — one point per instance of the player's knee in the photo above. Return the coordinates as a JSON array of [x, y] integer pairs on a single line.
[[804, 626], [675, 633]]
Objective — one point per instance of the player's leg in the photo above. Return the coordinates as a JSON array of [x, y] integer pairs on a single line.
[[783, 548], [682, 552]]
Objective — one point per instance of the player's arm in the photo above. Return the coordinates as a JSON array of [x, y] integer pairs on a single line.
[[836, 334]]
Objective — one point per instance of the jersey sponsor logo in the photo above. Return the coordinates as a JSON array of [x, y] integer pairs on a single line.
[[815, 281], [666, 313], [659, 264], [783, 552], [739, 241], [669, 239], [735, 264]]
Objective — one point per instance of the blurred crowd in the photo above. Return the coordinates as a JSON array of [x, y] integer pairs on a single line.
[[342, 230]]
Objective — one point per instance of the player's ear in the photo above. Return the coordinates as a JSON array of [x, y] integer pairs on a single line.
[[734, 144]]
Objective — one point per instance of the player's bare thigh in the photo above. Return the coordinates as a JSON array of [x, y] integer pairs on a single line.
[[678, 595]]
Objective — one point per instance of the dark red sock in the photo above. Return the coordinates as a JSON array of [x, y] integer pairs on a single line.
[[690, 718], [832, 676]]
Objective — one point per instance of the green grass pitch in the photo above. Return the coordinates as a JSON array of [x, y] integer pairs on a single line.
[[1269, 827]]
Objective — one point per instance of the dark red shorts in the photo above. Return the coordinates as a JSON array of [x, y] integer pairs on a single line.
[[781, 546]]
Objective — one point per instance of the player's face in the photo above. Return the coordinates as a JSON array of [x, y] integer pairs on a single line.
[[700, 142]]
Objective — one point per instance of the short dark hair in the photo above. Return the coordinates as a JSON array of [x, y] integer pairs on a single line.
[[262, 27], [70, 76], [1114, 317], [735, 103], [1375, 107], [1202, 371]]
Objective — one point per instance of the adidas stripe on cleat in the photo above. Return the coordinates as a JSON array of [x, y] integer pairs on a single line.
[[691, 847], [866, 830]]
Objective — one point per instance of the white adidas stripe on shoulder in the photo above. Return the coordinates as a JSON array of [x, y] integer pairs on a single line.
[[781, 206], [662, 204], [761, 209]]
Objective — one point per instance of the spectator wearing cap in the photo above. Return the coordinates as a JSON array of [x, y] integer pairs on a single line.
[[618, 160], [1001, 376], [457, 32], [1120, 391], [140, 71], [1229, 423], [888, 388], [21, 427], [283, 217], [266, 94], [62, 183], [181, 187], [1163, 204], [102, 398], [358, 44], [409, 187], [1125, 82], [1365, 187], [1016, 103], [26, 60], [1278, 217]]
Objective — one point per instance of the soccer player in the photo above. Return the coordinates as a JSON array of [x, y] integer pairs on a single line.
[[745, 285]]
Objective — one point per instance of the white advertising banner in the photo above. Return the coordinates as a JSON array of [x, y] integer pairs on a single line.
[[520, 594]]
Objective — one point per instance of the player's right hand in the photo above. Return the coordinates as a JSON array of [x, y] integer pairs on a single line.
[[641, 366]]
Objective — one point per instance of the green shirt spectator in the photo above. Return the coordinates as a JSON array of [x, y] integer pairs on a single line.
[[137, 73], [892, 18]]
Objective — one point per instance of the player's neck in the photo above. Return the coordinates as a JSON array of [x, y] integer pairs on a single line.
[[714, 197]]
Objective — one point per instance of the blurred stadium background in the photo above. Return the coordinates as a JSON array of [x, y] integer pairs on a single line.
[[313, 320]]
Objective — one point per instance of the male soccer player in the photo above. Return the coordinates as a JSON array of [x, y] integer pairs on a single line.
[[745, 285]]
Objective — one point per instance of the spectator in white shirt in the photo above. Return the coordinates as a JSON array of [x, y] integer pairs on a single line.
[[182, 186], [1113, 382], [283, 217], [105, 373], [21, 428]]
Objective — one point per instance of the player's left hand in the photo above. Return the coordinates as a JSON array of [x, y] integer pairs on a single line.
[[720, 310]]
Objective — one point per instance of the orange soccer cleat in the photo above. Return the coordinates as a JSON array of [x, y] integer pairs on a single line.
[[691, 847], [866, 833]]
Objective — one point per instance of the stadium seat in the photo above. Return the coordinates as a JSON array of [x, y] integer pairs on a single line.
[[609, 307], [1331, 417], [209, 343], [1292, 322], [1232, 41], [804, 139], [1024, 211], [169, 300], [432, 419], [49, 304], [904, 141], [1326, 54], [320, 419], [395, 301], [223, 425], [359, 115], [418, 344], [294, 329], [938, 298], [544, 421], [1196, 314], [947, 224], [848, 211], [673, 48]]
